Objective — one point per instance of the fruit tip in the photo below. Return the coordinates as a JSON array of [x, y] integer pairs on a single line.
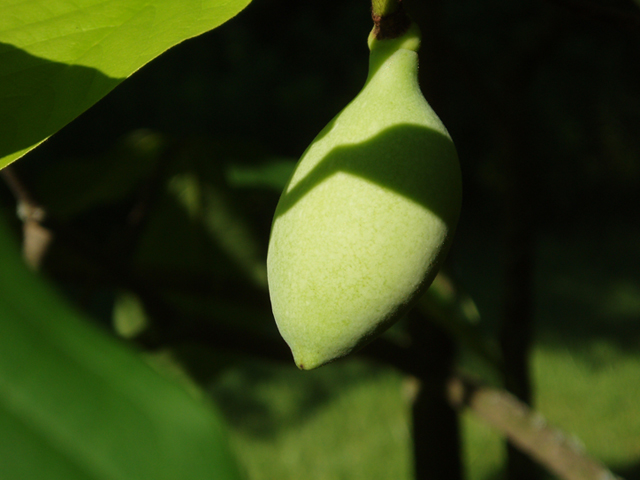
[[307, 362]]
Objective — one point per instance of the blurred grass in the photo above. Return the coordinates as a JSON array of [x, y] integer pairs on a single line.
[[348, 420], [351, 420], [597, 404], [586, 365]]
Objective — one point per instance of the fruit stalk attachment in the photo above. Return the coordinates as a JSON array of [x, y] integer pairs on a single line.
[[389, 19]]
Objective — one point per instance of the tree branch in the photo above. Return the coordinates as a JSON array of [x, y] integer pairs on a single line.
[[527, 430]]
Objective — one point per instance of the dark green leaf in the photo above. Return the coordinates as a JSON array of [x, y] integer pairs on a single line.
[[76, 404]]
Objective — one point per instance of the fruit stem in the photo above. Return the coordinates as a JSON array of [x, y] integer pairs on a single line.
[[383, 8], [389, 19]]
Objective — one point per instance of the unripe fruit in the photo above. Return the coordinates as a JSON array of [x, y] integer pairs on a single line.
[[367, 216]]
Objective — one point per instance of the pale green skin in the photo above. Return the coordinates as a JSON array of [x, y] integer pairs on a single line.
[[367, 216]]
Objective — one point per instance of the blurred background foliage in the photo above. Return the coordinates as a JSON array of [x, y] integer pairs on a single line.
[[160, 200]]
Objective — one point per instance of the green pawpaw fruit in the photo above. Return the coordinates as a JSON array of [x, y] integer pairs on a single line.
[[367, 216]]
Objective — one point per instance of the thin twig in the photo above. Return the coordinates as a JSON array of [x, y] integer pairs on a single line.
[[28, 207], [36, 237]]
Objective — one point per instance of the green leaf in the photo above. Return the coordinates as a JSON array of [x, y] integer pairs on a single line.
[[77, 404], [273, 174], [59, 57], [210, 206]]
